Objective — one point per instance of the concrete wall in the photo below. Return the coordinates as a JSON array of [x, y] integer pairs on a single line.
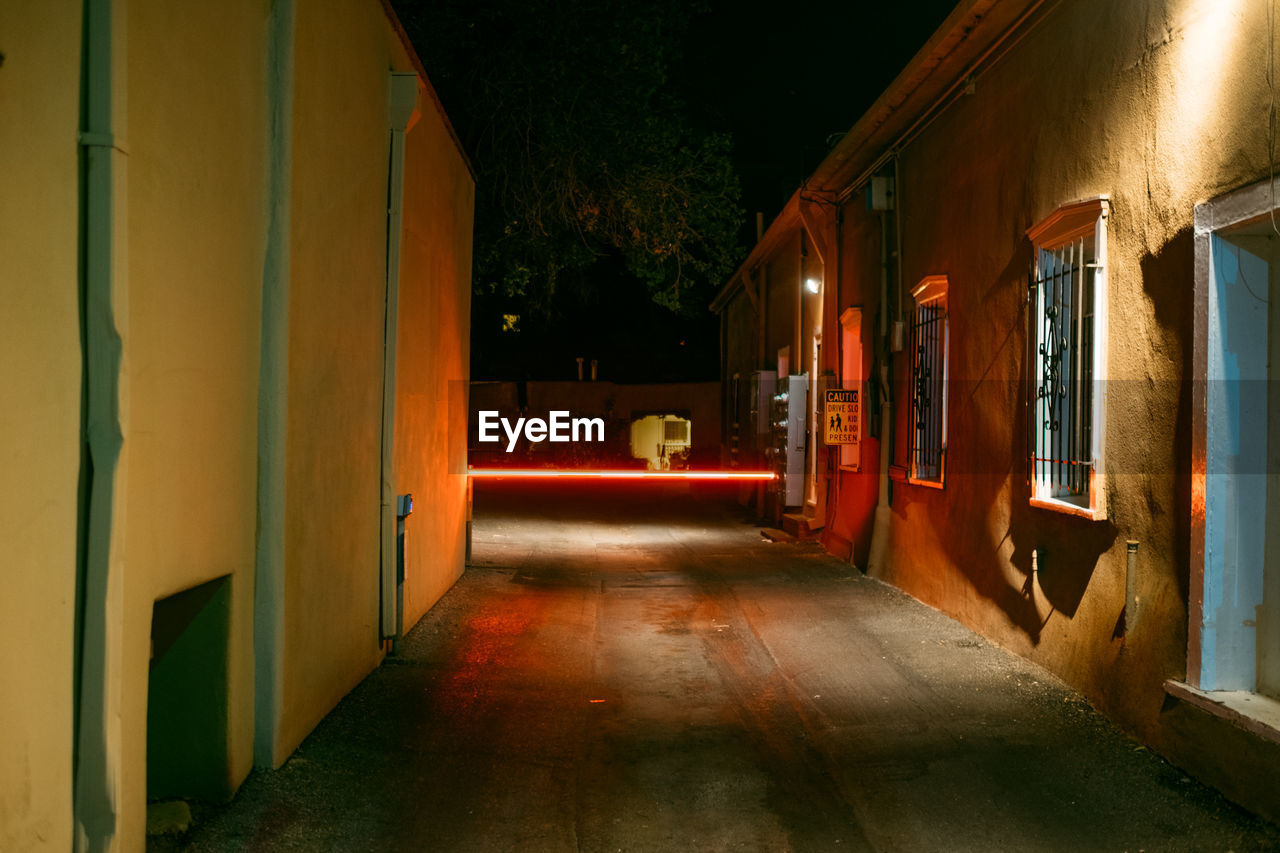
[[39, 418]]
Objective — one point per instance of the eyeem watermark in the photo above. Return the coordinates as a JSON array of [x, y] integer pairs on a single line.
[[558, 427]]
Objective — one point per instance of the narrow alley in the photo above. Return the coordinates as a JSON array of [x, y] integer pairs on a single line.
[[636, 668]]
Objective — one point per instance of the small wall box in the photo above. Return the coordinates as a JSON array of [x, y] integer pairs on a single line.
[[880, 194]]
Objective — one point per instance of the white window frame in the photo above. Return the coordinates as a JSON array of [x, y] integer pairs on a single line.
[[931, 292], [1068, 225], [1218, 215]]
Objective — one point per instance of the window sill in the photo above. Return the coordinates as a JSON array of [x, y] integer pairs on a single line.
[[928, 484], [1253, 712], [1069, 509], [852, 469]]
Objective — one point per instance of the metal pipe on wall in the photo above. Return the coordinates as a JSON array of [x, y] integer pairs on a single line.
[[99, 586], [273, 396], [402, 112], [883, 516], [1131, 585]]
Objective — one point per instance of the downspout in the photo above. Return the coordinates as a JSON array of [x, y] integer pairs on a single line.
[[759, 440], [273, 396], [832, 318], [402, 113], [797, 333], [884, 514], [897, 240], [105, 312]]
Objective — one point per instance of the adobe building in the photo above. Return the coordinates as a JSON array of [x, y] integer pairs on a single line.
[[237, 243], [1045, 259]]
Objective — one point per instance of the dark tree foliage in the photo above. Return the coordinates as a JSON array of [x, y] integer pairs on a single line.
[[580, 150]]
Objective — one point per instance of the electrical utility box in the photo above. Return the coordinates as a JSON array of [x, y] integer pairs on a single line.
[[880, 194], [763, 385], [788, 413]]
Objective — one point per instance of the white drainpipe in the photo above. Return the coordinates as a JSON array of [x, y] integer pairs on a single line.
[[273, 396], [99, 593], [402, 114]]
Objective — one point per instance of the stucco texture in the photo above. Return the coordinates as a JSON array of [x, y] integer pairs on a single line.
[[195, 245], [337, 245], [39, 418], [1164, 112], [433, 368], [856, 491]]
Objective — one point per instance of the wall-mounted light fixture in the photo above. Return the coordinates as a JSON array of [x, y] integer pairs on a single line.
[[812, 285]]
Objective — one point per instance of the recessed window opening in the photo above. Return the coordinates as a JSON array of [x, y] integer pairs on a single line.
[[1238, 626], [1065, 354], [929, 351]]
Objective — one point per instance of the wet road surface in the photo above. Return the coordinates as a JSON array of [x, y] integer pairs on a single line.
[[637, 669]]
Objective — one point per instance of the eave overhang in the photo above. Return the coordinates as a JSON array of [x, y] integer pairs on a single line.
[[971, 39]]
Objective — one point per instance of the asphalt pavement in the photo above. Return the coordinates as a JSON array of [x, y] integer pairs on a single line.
[[635, 668]]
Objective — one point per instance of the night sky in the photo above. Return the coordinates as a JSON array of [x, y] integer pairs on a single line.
[[785, 81]]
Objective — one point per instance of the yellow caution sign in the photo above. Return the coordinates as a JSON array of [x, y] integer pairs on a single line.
[[841, 416]]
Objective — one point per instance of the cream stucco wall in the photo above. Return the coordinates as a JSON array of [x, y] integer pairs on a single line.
[[195, 230], [39, 418], [432, 360], [179, 257], [338, 199]]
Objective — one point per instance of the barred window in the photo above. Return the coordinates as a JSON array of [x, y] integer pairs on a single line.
[[1064, 357], [929, 348]]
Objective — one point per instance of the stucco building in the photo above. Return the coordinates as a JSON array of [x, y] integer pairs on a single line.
[[236, 278], [1045, 259]]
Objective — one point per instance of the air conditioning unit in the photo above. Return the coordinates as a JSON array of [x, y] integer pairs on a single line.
[[675, 432]]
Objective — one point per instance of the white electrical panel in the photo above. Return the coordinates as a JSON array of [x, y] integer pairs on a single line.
[[763, 385], [788, 414]]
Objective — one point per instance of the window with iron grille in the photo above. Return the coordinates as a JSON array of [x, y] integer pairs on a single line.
[[929, 349], [1066, 315]]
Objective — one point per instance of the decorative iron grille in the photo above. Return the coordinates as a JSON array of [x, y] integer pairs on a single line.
[[928, 391], [1060, 300]]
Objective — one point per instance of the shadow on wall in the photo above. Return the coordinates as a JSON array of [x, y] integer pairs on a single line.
[[1167, 278], [1068, 548]]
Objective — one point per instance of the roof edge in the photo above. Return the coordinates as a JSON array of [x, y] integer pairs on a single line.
[[398, 28], [962, 44]]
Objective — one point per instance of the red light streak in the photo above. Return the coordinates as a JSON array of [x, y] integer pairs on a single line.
[[576, 474]]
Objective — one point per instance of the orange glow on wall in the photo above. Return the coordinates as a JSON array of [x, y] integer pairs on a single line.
[[549, 473]]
